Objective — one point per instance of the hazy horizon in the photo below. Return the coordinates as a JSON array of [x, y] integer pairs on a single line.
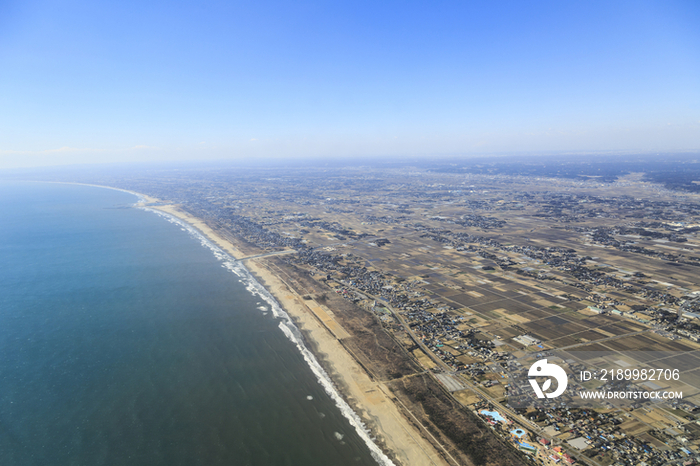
[[124, 82]]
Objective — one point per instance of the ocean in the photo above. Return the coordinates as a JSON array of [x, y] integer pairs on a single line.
[[128, 339]]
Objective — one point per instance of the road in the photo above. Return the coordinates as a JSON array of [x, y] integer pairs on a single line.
[[276, 253], [469, 385]]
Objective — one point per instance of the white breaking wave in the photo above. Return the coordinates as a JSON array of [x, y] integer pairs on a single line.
[[289, 329]]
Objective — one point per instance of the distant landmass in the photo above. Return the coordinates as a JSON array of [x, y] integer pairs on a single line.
[[674, 171]]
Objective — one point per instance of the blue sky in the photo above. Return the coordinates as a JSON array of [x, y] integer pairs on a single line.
[[124, 81]]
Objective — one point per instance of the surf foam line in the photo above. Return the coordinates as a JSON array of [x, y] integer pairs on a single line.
[[289, 329]]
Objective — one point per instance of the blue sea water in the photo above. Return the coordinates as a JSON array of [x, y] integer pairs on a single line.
[[124, 341]]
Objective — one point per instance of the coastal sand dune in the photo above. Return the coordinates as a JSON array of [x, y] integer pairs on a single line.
[[371, 399]]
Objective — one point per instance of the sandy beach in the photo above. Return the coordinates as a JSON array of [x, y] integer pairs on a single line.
[[371, 399]]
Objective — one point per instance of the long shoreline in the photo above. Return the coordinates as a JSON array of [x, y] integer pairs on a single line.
[[371, 401]]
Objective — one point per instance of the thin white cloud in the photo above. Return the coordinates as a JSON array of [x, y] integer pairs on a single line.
[[67, 149], [47, 151], [141, 147]]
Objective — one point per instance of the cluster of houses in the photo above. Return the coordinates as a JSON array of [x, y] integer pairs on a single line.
[[540, 448], [594, 433], [587, 431]]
